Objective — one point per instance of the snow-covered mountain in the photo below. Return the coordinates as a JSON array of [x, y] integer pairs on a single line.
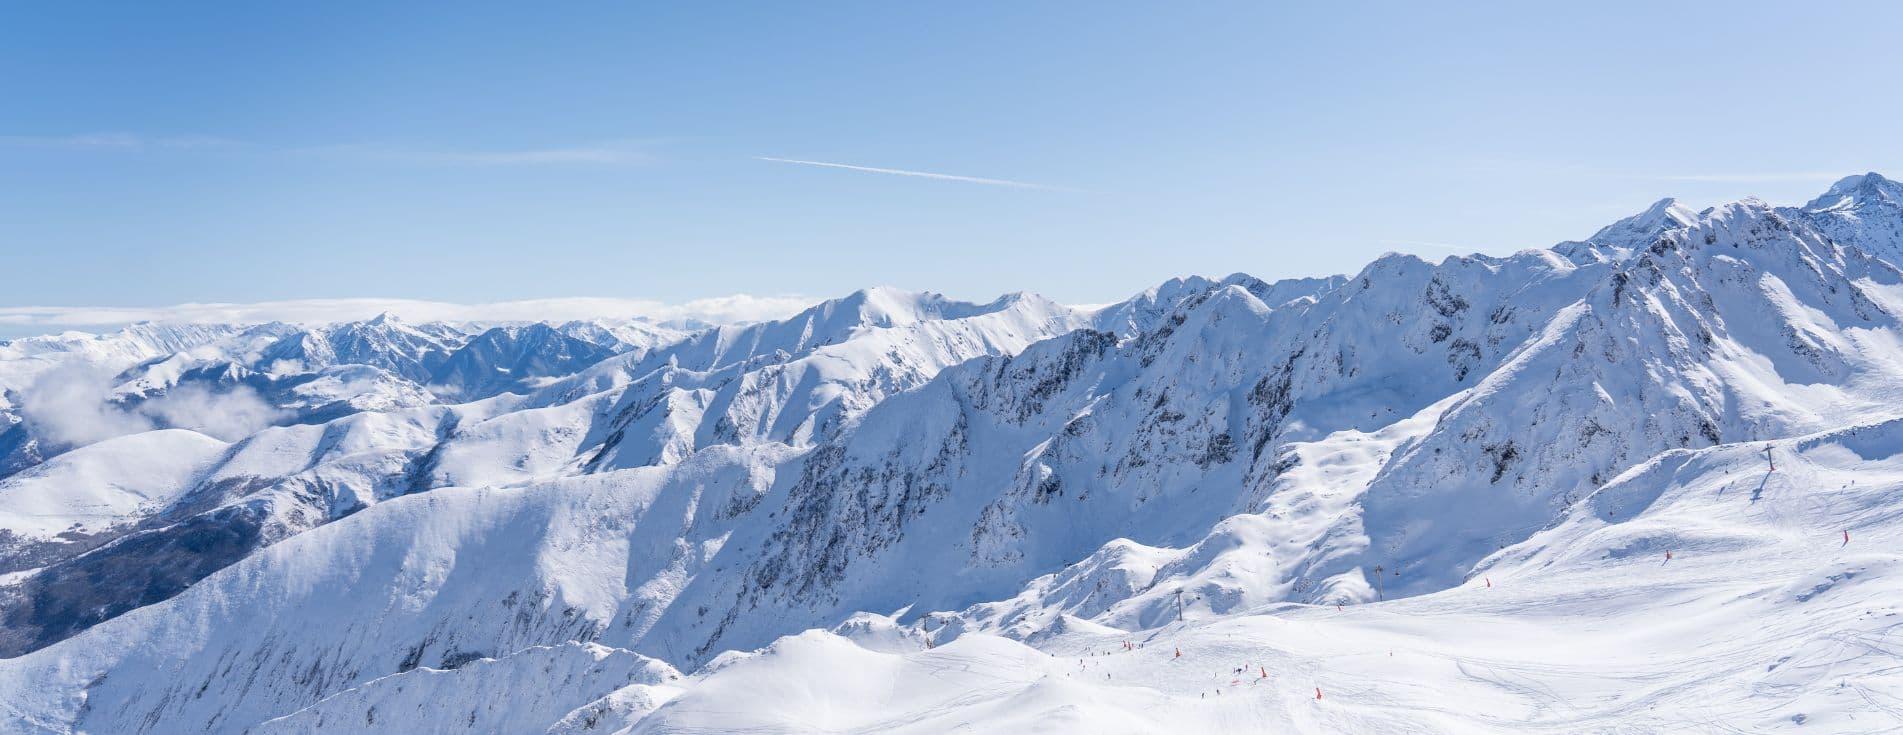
[[773, 384], [58, 393], [513, 359], [898, 511]]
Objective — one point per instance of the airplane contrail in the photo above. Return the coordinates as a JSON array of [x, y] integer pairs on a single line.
[[920, 174]]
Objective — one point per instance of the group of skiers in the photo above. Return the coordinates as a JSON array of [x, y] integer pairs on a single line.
[[1262, 671]]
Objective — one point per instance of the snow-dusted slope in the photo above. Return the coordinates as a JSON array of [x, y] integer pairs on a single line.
[[1763, 617], [1432, 491], [84, 493], [576, 686], [1696, 593]]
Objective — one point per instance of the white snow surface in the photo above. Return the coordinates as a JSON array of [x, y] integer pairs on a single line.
[[1650, 481], [104, 483]]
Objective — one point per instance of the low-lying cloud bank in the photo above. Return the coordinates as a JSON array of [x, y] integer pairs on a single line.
[[71, 406], [20, 321]]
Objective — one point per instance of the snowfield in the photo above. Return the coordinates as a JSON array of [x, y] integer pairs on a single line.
[[1650, 481]]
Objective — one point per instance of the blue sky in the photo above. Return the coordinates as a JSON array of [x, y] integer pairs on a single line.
[[156, 153]]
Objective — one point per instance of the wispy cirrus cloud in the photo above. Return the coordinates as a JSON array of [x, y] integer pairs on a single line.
[[616, 152], [604, 153], [117, 141], [594, 154], [735, 308], [1748, 178], [918, 174]]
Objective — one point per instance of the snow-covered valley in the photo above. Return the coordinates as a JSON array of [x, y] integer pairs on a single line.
[[1649, 481]]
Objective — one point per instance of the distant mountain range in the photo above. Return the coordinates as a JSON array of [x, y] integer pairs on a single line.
[[262, 528]]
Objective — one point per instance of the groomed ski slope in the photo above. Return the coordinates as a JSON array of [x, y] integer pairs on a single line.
[[1762, 620]]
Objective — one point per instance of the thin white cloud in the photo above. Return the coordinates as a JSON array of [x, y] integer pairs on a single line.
[[919, 174], [1750, 178], [117, 141], [543, 156], [27, 320], [619, 152], [607, 153]]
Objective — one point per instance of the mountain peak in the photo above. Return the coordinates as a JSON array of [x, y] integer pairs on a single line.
[[1851, 192], [1616, 240], [1664, 214], [885, 306]]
